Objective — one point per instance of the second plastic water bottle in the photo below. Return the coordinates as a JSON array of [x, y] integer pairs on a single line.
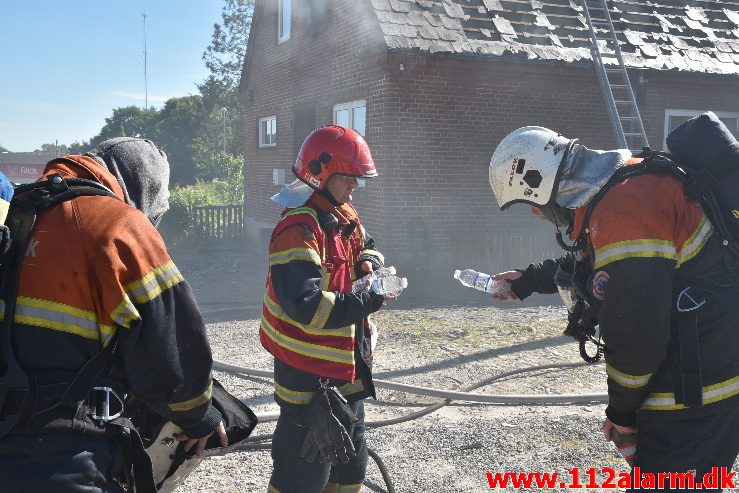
[[483, 282]]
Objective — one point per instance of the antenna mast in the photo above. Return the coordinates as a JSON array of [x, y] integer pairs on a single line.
[[146, 84]]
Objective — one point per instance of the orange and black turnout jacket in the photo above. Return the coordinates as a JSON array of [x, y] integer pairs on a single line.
[[647, 243], [96, 267], [311, 322]]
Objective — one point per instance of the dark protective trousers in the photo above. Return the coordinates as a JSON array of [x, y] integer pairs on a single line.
[[60, 463], [697, 444], [291, 474]]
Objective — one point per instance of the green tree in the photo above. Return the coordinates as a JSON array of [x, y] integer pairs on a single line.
[[225, 55], [128, 121], [3, 149], [178, 124], [55, 149]]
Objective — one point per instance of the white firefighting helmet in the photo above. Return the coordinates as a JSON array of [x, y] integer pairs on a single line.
[[162, 452], [525, 166]]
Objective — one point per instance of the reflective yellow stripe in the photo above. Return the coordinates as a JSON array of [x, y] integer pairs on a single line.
[[307, 349], [154, 283], [293, 396], [194, 402], [349, 488], [125, 313], [272, 489], [277, 311], [355, 387], [293, 254], [323, 311], [301, 397], [634, 248], [302, 210], [374, 253], [60, 317], [626, 380], [695, 243], [665, 401]]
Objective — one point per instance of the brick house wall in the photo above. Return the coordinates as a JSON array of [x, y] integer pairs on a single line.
[[432, 127], [325, 62]]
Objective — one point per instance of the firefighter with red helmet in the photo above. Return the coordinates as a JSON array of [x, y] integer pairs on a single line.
[[316, 328], [650, 267]]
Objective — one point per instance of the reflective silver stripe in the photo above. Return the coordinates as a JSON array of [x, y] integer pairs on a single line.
[[294, 254], [60, 317], [355, 387], [626, 380], [307, 349], [293, 396], [374, 253], [323, 311], [634, 248], [695, 243], [665, 401], [277, 311], [125, 313], [302, 397], [154, 283], [194, 402]]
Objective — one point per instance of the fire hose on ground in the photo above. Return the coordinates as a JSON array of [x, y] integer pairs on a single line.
[[448, 395]]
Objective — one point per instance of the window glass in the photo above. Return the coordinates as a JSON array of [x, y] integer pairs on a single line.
[[358, 119], [353, 115], [268, 131], [285, 18]]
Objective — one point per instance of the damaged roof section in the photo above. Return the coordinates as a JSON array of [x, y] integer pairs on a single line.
[[689, 35]]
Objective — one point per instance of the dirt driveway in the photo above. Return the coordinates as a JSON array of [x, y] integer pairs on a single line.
[[445, 347]]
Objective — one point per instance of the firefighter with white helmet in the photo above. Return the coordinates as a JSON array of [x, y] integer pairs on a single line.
[[316, 328], [651, 270]]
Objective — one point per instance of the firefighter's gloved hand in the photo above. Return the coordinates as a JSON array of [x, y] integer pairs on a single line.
[[624, 438], [327, 439]]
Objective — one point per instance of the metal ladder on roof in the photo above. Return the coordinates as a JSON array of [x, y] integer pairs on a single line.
[[614, 80]]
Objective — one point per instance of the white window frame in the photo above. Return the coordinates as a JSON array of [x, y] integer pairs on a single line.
[[263, 124], [360, 103], [283, 36], [691, 113]]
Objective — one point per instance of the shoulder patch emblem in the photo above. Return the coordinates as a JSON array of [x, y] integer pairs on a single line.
[[600, 284]]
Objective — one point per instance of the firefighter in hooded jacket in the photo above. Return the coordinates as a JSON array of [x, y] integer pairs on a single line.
[[312, 323], [97, 275], [655, 274]]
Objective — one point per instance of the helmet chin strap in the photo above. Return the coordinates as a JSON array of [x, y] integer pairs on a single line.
[[558, 235], [329, 196]]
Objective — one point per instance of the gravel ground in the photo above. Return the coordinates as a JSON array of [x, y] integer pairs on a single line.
[[446, 347]]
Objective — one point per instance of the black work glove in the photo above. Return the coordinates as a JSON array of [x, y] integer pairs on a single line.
[[340, 408], [327, 439]]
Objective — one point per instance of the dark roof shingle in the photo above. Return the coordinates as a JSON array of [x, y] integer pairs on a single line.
[[696, 35]]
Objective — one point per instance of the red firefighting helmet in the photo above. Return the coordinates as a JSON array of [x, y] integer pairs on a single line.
[[333, 150]]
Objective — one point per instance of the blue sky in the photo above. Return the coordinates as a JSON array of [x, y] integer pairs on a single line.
[[65, 64]]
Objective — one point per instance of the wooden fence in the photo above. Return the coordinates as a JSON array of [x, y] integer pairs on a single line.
[[219, 222]]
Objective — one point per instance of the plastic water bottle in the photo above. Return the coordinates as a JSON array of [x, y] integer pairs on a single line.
[[366, 281], [389, 285], [483, 282]]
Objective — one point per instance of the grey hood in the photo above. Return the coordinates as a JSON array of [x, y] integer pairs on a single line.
[[584, 173], [141, 169]]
